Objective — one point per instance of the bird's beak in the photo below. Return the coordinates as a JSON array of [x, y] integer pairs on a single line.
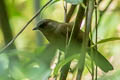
[[35, 28]]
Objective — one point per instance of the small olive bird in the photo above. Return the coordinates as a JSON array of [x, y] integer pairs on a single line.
[[55, 32]]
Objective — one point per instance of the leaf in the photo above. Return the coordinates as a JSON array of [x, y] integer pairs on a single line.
[[65, 61], [100, 60], [107, 40], [74, 1]]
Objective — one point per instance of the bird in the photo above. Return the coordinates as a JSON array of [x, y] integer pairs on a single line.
[[55, 32]]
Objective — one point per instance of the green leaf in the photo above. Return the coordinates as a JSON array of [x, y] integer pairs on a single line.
[[100, 60], [74, 1], [107, 40], [65, 61]]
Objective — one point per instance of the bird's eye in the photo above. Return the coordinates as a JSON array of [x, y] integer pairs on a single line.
[[42, 25]]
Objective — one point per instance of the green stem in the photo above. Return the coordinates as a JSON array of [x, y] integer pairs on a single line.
[[5, 25], [89, 13], [96, 26]]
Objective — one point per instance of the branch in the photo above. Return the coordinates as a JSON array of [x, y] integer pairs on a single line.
[[65, 10], [96, 27], [78, 22], [37, 13], [70, 13]]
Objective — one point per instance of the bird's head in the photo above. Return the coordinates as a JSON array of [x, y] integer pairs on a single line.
[[48, 27], [55, 32]]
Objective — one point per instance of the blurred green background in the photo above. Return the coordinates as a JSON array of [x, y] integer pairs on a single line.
[[30, 45]]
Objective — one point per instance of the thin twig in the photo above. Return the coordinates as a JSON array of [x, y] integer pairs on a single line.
[[92, 62], [65, 17], [77, 24], [65, 11], [96, 26], [37, 13], [65, 69]]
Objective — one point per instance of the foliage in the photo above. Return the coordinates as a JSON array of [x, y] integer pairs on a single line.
[[34, 60]]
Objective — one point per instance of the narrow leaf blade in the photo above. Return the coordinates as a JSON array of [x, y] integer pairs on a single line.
[[108, 40], [65, 61]]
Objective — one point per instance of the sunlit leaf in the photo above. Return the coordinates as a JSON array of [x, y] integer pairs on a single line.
[[108, 39]]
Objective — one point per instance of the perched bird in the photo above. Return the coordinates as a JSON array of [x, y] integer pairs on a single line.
[[55, 32]]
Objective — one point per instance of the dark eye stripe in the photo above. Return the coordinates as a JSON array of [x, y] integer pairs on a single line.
[[41, 24]]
